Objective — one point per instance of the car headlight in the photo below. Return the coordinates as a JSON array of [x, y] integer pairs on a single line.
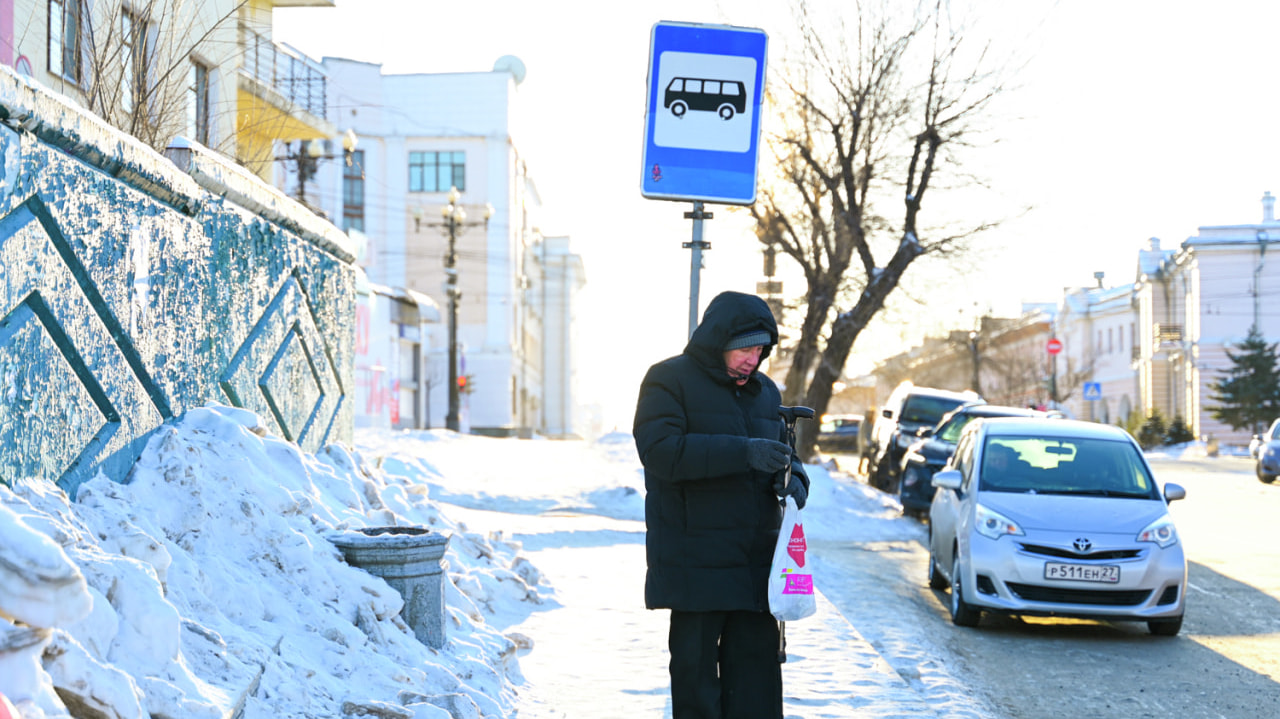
[[1160, 532], [906, 440], [993, 524], [1268, 451]]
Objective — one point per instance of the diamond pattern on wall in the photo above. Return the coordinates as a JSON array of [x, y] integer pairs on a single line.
[[70, 397], [41, 393], [292, 386], [283, 370]]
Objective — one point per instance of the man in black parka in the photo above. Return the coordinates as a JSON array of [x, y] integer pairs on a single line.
[[707, 430]]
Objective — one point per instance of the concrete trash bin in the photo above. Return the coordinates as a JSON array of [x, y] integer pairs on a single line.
[[410, 559]]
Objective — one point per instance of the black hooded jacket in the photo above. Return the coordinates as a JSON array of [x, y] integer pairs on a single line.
[[712, 520]]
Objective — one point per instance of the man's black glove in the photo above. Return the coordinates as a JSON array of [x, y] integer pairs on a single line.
[[795, 489], [767, 455]]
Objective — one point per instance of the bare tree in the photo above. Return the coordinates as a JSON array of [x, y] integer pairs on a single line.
[[1071, 378], [871, 117], [133, 63], [139, 59]]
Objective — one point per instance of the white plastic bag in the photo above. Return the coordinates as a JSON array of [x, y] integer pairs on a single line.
[[791, 578]]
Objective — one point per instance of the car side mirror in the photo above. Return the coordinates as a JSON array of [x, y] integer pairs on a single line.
[[951, 478], [924, 432], [1174, 492]]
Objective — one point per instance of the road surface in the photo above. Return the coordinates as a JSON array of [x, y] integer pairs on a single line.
[[1225, 663]]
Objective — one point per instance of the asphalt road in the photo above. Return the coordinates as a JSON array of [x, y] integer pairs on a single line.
[[1225, 663]]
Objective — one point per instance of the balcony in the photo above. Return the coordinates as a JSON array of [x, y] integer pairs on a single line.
[[1167, 334], [289, 74], [281, 98]]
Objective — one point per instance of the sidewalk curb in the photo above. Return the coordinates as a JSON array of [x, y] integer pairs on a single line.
[[861, 683]]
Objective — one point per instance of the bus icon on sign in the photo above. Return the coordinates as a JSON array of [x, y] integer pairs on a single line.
[[726, 98]]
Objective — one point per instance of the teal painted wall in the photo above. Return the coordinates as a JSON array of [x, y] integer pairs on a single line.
[[131, 292]]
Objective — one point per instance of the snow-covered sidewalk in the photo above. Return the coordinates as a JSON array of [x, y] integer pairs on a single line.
[[597, 652], [601, 654]]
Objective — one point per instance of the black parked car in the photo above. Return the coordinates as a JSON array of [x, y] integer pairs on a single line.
[[909, 409], [935, 446], [839, 432]]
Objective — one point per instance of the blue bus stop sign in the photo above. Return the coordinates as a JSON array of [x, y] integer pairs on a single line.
[[702, 120]]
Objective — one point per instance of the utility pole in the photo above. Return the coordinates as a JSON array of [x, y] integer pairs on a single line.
[[451, 289], [973, 350], [455, 221], [695, 260]]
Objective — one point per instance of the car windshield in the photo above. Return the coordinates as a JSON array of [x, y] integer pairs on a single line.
[[927, 410], [843, 426], [1065, 465], [950, 432]]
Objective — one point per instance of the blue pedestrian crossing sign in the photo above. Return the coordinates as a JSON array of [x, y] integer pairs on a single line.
[[1092, 390], [702, 117]]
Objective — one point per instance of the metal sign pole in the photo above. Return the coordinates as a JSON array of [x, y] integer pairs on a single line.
[[695, 260]]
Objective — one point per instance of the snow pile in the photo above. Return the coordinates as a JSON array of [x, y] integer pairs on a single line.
[[854, 512], [1198, 450], [205, 586], [541, 477]]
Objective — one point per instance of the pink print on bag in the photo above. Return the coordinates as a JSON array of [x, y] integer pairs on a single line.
[[796, 547], [797, 583]]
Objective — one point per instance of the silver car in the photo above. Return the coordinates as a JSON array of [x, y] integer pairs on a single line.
[[1055, 518], [1265, 450]]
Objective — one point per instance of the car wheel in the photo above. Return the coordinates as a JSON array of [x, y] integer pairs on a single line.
[[726, 112], [936, 580], [1165, 627], [1263, 476], [678, 108], [962, 614]]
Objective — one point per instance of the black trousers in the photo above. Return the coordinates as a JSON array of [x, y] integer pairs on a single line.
[[724, 665]]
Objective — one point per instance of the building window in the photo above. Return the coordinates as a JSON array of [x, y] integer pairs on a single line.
[[64, 39], [1110, 340], [198, 102], [133, 60], [353, 193], [437, 171]]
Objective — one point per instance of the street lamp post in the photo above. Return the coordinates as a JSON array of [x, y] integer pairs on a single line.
[[973, 350], [310, 152], [455, 221]]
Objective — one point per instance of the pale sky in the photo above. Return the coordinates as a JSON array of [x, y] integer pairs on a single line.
[[1132, 119]]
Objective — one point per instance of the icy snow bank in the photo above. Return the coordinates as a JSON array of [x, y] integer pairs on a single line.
[[214, 589]]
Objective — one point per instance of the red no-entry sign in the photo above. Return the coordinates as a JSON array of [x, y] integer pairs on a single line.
[[1054, 345]]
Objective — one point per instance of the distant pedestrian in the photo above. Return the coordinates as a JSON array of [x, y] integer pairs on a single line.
[[708, 433]]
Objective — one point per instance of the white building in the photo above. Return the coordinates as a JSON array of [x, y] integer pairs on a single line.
[[418, 136], [563, 277], [393, 378], [1201, 300], [1098, 328]]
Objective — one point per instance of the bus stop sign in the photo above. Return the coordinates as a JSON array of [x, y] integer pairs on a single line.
[[702, 119]]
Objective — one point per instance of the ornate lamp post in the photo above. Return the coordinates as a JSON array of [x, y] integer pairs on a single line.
[[973, 349], [455, 221], [308, 155]]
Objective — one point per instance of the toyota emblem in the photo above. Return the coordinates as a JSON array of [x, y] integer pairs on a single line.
[[1083, 545]]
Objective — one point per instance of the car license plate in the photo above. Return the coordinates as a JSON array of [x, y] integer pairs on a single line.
[[1109, 574]]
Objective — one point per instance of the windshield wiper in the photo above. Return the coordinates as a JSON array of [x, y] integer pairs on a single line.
[[1101, 493]]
